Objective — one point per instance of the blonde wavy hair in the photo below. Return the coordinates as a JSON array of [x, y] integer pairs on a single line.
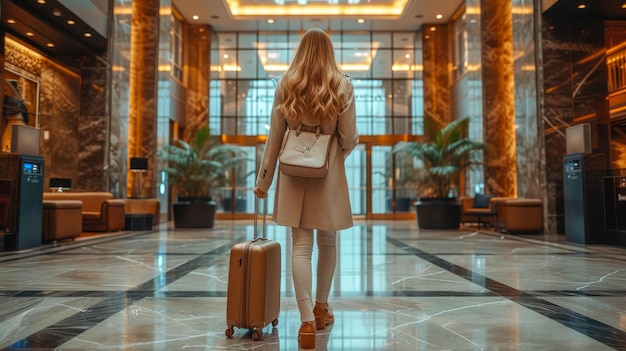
[[311, 84]]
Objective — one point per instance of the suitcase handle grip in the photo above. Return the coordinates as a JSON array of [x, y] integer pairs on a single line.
[[256, 215]]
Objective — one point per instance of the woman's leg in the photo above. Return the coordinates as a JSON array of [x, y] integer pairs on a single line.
[[302, 240], [327, 255]]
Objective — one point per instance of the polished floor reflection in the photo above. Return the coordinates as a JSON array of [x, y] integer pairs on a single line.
[[396, 288]]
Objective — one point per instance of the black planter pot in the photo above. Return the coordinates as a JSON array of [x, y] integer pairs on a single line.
[[194, 214], [438, 213]]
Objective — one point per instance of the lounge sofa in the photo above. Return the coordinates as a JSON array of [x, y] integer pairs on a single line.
[[101, 211]]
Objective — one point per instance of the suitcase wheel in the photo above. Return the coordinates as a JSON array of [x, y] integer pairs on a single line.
[[229, 332], [256, 335], [275, 322]]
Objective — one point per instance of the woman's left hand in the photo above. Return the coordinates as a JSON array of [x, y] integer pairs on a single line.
[[260, 193]]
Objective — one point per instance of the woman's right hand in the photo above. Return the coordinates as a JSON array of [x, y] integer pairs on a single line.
[[260, 193]]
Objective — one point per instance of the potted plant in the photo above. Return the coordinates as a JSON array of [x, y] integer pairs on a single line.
[[196, 168], [446, 152]]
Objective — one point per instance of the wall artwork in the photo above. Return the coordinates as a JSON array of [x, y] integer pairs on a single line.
[[20, 105]]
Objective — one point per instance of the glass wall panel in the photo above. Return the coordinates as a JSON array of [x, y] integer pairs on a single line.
[[382, 172], [403, 66], [381, 67], [381, 40], [242, 180], [246, 41], [357, 180], [385, 68], [256, 98], [247, 61]]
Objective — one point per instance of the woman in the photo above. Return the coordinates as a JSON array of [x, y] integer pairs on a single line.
[[313, 92]]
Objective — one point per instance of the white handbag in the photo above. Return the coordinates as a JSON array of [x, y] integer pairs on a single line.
[[305, 154]]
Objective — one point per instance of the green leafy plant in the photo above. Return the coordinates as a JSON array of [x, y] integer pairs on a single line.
[[198, 167], [446, 152]]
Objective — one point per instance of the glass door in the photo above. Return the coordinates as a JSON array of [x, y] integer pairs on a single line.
[[373, 172]]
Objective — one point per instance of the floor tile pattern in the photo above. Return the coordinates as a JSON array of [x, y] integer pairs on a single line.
[[397, 287]]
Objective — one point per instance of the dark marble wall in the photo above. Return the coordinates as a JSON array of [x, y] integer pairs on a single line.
[[59, 113], [574, 80]]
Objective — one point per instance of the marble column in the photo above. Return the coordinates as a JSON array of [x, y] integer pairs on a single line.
[[119, 83], [197, 69], [436, 73], [142, 116], [500, 166], [530, 146]]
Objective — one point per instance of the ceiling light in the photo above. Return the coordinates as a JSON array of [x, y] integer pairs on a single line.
[[70, 22], [624, 5], [87, 35], [432, 29], [30, 34], [439, 16], [11, 21], [270, 21], [50, 45], [582, 6], [41, 1], [407, 55], [57, 12], [195, 17], [360, 20]]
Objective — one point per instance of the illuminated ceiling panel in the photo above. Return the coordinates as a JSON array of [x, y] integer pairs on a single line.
[[278, 8]]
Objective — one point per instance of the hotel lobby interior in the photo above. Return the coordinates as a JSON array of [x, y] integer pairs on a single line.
[[93, 256]]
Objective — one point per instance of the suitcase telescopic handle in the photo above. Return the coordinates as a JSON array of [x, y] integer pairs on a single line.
[[256, 216]]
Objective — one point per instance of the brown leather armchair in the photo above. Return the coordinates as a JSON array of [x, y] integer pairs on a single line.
[[61, 220], [469, 213]]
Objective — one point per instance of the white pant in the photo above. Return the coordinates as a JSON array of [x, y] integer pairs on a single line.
[[301, 266]]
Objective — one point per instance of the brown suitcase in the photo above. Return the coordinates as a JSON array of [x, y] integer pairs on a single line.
[[253, 299]]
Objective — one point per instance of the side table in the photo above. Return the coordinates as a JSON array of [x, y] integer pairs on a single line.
[[138, 221]]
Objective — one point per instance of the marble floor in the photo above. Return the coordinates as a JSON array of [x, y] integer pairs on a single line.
[[396, 288]]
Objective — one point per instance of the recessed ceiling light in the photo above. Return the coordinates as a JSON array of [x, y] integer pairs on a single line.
[[624, 5], [270, 20], [41, 1], [582, 6], [30, 34], [87, 35], [407, 55], [439, 16], [50, 45], [195, 17], [432, 29], [360, 20], [11, 21], [70, 22], [57, 12]]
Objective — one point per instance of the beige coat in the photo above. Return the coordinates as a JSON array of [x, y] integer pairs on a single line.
[[312, 203]]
